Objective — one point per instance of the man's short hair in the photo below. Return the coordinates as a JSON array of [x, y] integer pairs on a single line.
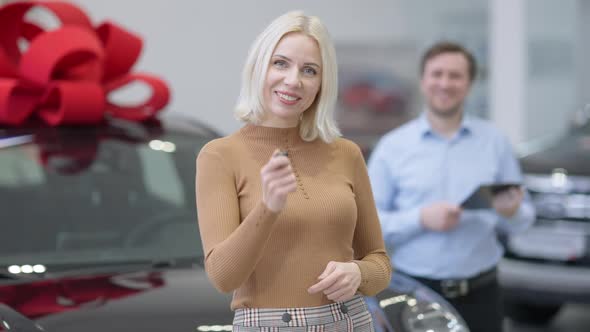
[[318, 119], [449, 47]]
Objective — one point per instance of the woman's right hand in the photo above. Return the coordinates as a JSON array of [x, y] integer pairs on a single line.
[[278, 181]]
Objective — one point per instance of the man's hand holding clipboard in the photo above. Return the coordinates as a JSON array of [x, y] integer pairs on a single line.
[[505, 198]]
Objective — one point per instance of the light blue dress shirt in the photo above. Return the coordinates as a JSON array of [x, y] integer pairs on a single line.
[[412, 167]]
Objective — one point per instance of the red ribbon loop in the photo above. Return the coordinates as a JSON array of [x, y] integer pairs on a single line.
[[67, 53], [73, 103], [17, 102], [159, 98], [12, 21], [122, 49]]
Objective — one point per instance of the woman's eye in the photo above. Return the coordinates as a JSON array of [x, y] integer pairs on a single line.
[[309, 71], [280, 63]]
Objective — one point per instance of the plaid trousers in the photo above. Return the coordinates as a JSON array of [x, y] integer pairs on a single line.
[[348, 316]]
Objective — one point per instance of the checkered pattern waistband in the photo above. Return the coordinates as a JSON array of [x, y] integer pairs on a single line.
[[354, 309]]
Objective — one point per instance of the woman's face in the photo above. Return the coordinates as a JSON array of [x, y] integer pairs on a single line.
[[292, 81]]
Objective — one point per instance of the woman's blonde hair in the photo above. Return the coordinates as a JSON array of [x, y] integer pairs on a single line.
[[318, 119]]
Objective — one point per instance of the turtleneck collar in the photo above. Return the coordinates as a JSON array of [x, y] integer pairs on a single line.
[[272, 135]]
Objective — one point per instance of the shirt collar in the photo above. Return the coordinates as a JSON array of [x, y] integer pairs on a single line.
[[425, 130]]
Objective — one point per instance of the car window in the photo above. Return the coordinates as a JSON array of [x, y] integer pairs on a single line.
[[17, 170], [155, 164], [98, 200]]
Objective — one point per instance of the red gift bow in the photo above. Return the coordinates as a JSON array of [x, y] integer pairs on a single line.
[[66, 74]]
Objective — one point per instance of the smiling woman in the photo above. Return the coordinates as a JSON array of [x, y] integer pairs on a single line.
[[252, 103], [285, 208]]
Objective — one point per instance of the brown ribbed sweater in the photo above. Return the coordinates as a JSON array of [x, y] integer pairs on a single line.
[[271, 259]]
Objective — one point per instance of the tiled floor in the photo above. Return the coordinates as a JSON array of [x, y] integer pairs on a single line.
[[572, 318]]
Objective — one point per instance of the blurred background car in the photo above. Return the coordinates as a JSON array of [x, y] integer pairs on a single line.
[[549, 265], [10, 319], [99, 233]]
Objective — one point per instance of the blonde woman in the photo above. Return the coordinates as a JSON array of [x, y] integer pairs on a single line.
[[285, 207]]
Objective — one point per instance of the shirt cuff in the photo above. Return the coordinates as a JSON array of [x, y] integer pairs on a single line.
[[414, 222]]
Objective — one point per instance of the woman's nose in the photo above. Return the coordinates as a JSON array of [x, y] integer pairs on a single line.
[[292, 78]]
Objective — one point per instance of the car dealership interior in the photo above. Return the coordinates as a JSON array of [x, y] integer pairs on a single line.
[[99, 221]]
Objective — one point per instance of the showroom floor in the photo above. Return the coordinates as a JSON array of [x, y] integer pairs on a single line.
[[573, 318]]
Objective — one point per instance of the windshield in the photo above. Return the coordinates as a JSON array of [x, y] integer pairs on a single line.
[[79, 196]]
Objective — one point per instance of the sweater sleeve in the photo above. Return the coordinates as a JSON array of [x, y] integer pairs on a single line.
[[369, 248], [232, 249]]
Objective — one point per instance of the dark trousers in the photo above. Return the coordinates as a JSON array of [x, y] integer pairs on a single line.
[[481, 308]]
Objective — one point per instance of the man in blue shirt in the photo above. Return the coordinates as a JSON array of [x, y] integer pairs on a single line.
[[423, 171]]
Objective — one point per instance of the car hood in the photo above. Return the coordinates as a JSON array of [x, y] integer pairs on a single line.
[[179, 299], [569, 153]]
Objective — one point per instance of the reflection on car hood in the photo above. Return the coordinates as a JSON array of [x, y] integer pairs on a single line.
[[176, 299], [408, 306], [570, 153]]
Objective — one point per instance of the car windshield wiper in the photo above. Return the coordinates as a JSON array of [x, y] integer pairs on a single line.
[[13, 276]]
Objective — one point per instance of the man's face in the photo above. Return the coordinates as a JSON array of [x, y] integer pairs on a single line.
[[445, 83]]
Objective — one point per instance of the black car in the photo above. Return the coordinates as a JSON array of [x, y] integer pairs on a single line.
[[99, 233], [549, 264]]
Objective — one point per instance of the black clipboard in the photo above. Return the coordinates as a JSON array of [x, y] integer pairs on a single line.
[[482, 197]]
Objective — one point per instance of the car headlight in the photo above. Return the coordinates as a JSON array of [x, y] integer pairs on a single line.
[[558, 182], [560, 196], [430, 317], [562, 206], [409, 306]]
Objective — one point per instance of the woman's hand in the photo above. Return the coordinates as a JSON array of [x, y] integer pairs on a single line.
[[339, 281], [277, 181]]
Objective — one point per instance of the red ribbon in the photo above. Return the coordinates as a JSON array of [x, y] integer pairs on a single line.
[[66, 74]]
